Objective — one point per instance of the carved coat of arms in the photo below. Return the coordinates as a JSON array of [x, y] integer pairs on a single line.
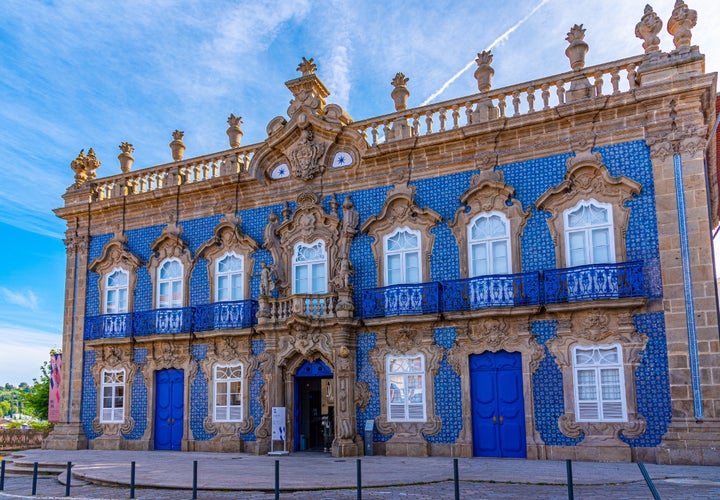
[[305, 157]]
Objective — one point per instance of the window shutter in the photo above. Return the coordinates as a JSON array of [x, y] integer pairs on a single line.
[[588, 410], [397, 411], [235, 413], [416, 411], [612, 410]]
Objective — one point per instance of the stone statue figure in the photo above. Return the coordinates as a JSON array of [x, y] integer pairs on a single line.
[[343, 273], [271, 242], [267, 279], [351, 217]]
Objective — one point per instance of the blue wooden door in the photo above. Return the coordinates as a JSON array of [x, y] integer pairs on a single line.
[[498, 405], [169, 409]]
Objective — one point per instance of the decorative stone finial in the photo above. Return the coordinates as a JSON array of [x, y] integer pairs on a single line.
[[400, 93], [234, 133], [484, 72], [85, 166], [125, 157], [578, 48], [683, 19], [177, 146], [648, 28], [92, 164], [307, 67]]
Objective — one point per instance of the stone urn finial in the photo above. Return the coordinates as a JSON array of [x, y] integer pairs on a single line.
[[91, 164], [648, 28], [78, 166], [234, 133], [177, 146], [484, 72], [400, 93], [307, 67], [126, 157], [578, 48], [683, 19]]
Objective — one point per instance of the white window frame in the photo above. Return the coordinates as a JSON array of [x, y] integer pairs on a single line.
[[310, 266], [228, 412], [115, 306], [490, 245], [600, 409], [405, 411], [587, 232], [236, 291], [403, 254], [112, 381], [171, 281]]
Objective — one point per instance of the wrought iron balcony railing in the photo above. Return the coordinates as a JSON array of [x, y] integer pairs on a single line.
[[593, 282], [108, 326], [225, 315], [170, 320], [396, 300], [482, 292]]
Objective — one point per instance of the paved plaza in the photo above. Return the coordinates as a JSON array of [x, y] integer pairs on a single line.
[[169, 475]]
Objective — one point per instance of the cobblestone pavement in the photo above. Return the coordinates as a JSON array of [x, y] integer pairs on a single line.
[[49, 487]]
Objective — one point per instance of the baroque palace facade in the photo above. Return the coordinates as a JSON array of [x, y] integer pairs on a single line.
[[522, 272]]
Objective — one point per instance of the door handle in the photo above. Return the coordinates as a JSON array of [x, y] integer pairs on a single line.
[[501, 420], [168, 421], [494, 419]]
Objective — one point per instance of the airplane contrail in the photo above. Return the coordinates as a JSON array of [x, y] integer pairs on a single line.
[[499, 39]]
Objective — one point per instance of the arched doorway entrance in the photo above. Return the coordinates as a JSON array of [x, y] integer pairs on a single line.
[[314, 407]]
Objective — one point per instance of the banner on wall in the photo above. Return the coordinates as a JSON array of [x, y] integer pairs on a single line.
[[54, 400]]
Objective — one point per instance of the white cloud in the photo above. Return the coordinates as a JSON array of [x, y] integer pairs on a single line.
[[24, 351], [25, 299]]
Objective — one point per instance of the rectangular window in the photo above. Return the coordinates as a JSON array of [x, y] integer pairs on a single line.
[[599, 384], [406, 389], [113, 396], [228, 393]]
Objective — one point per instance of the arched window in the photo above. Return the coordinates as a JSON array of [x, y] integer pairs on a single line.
[[113, 396], [228, 393], [489, 245], [599, 384], [402, 257], [589, 234], [310, 268], [116, 292], [170, 284], [229, 278], [406, 388]]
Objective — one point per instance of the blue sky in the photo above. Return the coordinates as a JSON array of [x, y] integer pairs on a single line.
[[79, 74]]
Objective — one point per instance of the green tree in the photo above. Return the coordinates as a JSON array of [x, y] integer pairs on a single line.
[[37, 397], [5, 408]]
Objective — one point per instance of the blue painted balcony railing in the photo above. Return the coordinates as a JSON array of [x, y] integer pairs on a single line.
[[396, 300], [482, 292], [593, 282], [171, 320], [108, 326], [225, 315]]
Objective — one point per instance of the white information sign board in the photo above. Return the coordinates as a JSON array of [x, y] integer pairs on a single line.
[[279, 427]]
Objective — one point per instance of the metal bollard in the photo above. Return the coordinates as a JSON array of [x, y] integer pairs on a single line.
[[132, 479], [67, 479], [277, 479], [359, 480], [2, 475], [194, 497], [456, 476], [649, 482], [568, 467], [34, 483]]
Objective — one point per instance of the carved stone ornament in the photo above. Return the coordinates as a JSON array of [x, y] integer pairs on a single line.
[[116, 255], [591, 328], [680, 24], [587, 178], [578, 48], [266, 360], [229, 351], [114, 357], [85, 167], [177, 146], [401, 211], [362, 395], [648, 28], [229, 239], [125, 157], [689, 140], [400, 92], [484, 72], [488, 195], [304, 341], [170, 245], [234, 132], [308, 90], [404, 344], [306, 157]]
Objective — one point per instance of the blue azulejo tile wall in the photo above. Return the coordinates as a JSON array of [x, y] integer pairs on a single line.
[[256, 385], [366, 374], [199, 396], [139, 398], [448, 392], [88, 411]]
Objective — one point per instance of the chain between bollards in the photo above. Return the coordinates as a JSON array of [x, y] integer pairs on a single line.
[[359, 479], [456, 477], [132, 479], [568, 467], [34, 482], [649, 482], [194, 497], [67, 479], [277, 479]]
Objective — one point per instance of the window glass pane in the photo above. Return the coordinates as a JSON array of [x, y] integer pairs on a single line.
[[578, 218], [479, 259], [601, 246], [498, 227], [597, 215], [577, 248], [394, 273], [222, 291], [411, 268], [500, 257], [301, 279], [586, 385], [237, 287], [608, 356], [610, 384], [397, 389], [479, 229], [318, 280]]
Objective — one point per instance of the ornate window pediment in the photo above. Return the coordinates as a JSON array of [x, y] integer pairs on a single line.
[[229, 240], [401, 211], [116, 257], [488, 196], [587, 178], [168, 247]]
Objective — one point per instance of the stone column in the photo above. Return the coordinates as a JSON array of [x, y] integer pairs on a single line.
[[346, 443]]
